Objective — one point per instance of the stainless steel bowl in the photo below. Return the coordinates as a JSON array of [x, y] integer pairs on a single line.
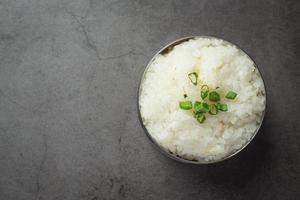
[[169, 154]]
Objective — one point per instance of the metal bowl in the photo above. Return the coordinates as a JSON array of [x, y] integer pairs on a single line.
[[169, 154]]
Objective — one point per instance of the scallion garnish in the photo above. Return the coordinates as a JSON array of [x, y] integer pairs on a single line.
[[231, 95], [193, 77], [214, 110], [200, 117], [222, 107], [214, 96], [201, 107], [204, 91], [186, 105]]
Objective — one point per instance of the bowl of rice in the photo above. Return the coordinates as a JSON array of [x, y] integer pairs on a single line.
[[201, 100]]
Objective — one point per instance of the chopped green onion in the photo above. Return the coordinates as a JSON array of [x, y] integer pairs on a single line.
[[186, 105], [200, 117], [222, 107], [214, 96], [214, 110], [200, 107], [231, 95], [197, 106], [204, 91], [204, 95], [193, 77]]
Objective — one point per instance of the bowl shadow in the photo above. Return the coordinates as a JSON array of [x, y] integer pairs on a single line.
[[236, 173]]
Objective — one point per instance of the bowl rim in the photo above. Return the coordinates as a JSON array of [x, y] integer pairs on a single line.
[[164, 151]]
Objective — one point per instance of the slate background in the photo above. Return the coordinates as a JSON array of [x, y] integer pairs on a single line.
[[69, 74]]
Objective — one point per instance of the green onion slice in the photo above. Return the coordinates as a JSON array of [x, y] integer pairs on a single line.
[[186, 105], [231, 95], [222, 107], [193, 77], [214, 110], [214, 96], [201, 107], [200, 117], [204, 91]]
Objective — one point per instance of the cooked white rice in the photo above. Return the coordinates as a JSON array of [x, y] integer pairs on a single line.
[[217, 63]]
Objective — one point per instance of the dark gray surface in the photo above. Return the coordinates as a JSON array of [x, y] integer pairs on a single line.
[[69, 74]]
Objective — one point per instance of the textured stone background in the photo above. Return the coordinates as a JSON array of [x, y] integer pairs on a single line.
[[69, 74]]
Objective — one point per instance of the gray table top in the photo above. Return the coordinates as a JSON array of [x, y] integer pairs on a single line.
[[69, 74]]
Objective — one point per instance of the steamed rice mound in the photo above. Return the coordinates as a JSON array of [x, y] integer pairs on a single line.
[[217, 63]]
